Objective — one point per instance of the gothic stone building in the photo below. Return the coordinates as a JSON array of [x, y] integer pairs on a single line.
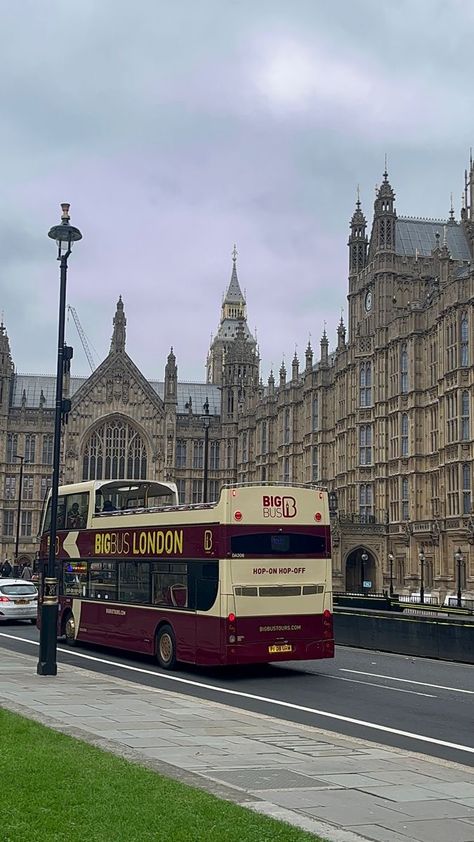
[[384, 419]]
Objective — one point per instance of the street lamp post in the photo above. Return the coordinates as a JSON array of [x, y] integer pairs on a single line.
[[459, 558], [364, 559], [206, 420], [390, 566], [65, 235], [421, 556], [18, 514]]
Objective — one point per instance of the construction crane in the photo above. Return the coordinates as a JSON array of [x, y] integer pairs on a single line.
[[82, 337]]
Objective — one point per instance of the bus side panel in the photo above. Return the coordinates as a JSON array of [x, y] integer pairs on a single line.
[[210, 641], [134, 628]]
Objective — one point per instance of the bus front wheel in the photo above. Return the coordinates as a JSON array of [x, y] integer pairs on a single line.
[[70, 630], [166, 647]]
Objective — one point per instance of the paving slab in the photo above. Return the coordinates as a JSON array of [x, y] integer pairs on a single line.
[[437, 830], [390, 792], [340, 788]]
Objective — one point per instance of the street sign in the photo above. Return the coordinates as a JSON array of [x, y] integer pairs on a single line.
[[367, 583]]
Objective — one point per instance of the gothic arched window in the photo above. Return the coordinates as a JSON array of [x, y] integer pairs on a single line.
[[404, 370], [464, 340], [365, 384], [115, 450], [465, 433], [404, 437]]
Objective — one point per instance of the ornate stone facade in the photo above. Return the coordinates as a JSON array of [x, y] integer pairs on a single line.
[[384, 420]]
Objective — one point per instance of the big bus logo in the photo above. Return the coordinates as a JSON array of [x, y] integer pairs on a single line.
[[275, 506]]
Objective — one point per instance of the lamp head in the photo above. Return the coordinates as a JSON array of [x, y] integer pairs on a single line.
[[64, 234]]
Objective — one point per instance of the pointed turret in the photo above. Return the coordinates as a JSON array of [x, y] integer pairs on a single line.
[[470, 190], [233, 321], [282, 374], [358, 242], [452, 218], [117, 344], [324, 349], [6, 369], [171, 378], [309, 357], [341, 335], [295, 365], [271, 384], [234, 298], [383, 229], [468, 217], [5, 354]]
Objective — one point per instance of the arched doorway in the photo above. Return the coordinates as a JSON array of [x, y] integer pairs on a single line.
[[360, 571]]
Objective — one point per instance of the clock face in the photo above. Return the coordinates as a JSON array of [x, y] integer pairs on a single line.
[[368, 301]]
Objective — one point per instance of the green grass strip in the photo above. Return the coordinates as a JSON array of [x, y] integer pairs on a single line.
[[57, 788]]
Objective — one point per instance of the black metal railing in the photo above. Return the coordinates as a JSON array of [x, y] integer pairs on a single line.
[[400, 602]]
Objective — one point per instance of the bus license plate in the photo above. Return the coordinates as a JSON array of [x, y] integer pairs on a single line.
[[285, 647]]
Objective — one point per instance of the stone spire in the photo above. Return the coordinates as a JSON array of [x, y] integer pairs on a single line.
[[6, 370], [324, 348], [5, 355], [295, 368], [341, 335], [117, 344], [171, 378], [358, 242], [234, 293], [383, 229], [309, 357], [233, 329], [282, 373], [271, 383]]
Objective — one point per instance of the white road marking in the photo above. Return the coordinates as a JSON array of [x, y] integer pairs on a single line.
[[380, 686], [409, 681], [242, 695]]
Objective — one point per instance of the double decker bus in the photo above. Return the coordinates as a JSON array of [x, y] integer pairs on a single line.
[[246, 579]]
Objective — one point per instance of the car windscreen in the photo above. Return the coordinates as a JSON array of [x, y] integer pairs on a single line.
[[18, 590]]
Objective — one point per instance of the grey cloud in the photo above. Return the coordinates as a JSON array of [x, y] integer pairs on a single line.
[[153, 121]]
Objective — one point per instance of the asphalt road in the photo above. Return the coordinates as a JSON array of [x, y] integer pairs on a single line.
[[413, 703]]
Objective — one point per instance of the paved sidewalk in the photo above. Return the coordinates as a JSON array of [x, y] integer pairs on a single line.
[[340, 788]]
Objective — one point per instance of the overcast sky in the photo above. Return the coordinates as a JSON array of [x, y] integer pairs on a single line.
[[175, 129]]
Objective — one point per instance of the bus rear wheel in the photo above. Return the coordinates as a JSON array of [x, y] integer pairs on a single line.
[[70, 630], [166, 647]]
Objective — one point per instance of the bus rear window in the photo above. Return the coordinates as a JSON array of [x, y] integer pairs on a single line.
[[277, 543]]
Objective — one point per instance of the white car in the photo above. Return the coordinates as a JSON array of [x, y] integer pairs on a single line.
[[18, 600]]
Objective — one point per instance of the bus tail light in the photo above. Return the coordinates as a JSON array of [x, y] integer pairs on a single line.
[[231, 630], [327, 624]]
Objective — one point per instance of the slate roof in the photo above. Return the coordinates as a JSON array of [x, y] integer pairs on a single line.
[[32, 384], [198, 392], [412, 235]]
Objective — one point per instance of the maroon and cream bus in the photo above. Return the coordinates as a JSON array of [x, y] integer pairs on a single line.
[[246, 579]]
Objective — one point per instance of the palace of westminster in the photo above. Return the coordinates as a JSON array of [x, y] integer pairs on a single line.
[[385, 418]]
